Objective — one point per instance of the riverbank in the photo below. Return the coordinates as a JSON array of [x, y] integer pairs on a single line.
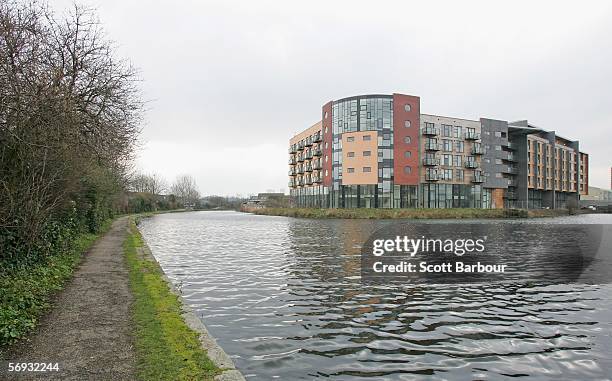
[[363, 213]]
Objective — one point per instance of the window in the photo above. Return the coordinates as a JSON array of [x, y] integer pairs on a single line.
[[407, 107], [350, 170], [367, 153], [498, 161], [407, 123], [326, 173], [367, 137], [350, 154], [457, 133], [367, 169], [326, 129], [446, 145], [446, 130], [350, 138], [459, 146], [326, 145], [407, 139], [457, 161], [498, 148], [407, 154], [326, 158], [407, 169], [429, 125], [498, 134], [459, 174], [447, 160]]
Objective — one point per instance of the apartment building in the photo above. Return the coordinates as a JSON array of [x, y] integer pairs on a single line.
[[380, 151]]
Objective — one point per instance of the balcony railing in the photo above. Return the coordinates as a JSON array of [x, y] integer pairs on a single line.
[[292, 148], [292, 160], [431, 131], [431, 176], [512, 183], [510, 170], [300, 146], [308, 142], [510, 195], [432, 146], [300, 182], [292, 183], [300, 158], [292, 172], [317, 179], [317, 152], [308, 168], [317, 137], [317, 165], [308, 180], [300, 169], [431, 161], [477, 149], [511, 146], [308, 155], [469, 135], [509, 157], [477, 178], [471, 164]]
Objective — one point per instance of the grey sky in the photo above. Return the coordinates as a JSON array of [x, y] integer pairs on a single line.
[[230, 82]]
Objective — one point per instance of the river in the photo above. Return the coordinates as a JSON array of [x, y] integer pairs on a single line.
[[284, 297]]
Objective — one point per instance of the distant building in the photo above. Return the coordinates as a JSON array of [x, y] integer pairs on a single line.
[[380, 151]]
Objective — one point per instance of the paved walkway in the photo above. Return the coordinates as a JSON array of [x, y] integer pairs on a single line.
[[88, 332]]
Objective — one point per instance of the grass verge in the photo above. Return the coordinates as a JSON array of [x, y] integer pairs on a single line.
[[166, 348], [26, 293], [371, 213]]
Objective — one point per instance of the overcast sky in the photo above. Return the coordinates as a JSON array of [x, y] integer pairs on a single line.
[[229, 82]]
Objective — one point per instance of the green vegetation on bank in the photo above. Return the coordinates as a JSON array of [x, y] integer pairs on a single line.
[[27, 289], [370, 213], [167, 349]]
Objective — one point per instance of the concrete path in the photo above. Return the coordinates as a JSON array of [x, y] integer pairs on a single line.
[[88, 331]]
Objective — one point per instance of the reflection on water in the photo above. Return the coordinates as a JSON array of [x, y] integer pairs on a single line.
[[283, 296]]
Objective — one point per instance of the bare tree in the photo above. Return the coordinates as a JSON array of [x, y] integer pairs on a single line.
[[186, 190], [69, 117]]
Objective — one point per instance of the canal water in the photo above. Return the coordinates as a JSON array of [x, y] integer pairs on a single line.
[[284, 297]]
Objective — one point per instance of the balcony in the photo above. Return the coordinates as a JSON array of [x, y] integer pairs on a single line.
[[292, 160], [292, 183], [300, 170], [431, 161], [510, 170], [509, 157], [512, 183], [477, 149], [300, 146], [317, 137], [300, 158], [292, 172], [308, 168], [317, 179], [477, 177], [470, 135], [308, 142], [430, 146], [308, 180], [308, 155], [292, 148], [300, 182], [317, 164], [431, 131], [471, 164], [317, 152], [510, 195], [431, 176], [511, 146]]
